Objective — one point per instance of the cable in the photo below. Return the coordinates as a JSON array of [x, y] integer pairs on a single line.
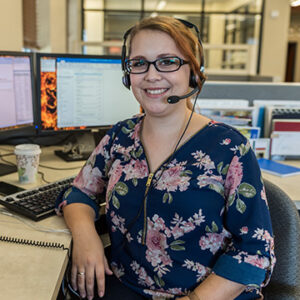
[[7, 154], [5, 212], [15, 240], [6, 161], [7, 150], [59, 169], [43, 177]]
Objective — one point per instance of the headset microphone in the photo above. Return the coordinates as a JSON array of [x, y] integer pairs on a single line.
[[175, 99]]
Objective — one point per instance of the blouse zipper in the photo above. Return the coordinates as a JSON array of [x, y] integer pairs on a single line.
[[149, 180], [148, 184]]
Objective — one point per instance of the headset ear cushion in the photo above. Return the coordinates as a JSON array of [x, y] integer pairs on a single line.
[[126, 81], [193, 80]]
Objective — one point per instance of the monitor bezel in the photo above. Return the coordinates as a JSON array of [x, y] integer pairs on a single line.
[[38, 123], [19, 128]]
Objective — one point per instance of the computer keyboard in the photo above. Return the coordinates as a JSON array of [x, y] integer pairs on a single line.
[[37, 203]]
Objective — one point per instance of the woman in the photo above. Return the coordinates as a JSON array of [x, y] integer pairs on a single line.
[[186, 207]]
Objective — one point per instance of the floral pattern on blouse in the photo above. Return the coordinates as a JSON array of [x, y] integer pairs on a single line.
[[204, 212]]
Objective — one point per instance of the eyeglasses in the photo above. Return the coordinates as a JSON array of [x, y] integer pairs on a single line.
[[164, 64]]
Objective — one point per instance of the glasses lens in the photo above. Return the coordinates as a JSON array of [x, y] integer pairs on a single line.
[[136, 66], [168, 64]]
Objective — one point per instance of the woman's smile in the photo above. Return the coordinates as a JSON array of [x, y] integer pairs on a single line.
[[156, 91]]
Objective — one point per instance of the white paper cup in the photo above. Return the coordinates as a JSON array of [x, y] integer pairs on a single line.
[[28, 156]]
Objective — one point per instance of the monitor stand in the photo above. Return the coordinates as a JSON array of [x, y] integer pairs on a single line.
[[77, 150], [7, 169]]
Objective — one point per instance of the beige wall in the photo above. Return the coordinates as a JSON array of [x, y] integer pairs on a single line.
[[74, 26], [275, 38], [11, 25], [216, 36], [58, 26]]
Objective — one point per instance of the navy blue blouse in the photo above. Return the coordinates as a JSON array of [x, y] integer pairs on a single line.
[[203, 211]]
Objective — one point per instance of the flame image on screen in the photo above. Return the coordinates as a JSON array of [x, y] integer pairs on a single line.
[[48, 100]]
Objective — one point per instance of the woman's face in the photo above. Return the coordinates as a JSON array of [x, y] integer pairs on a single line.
[[152, 88]]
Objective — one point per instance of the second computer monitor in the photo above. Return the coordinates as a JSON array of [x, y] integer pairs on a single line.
[[16, 97], [80, 92], [16, 90]]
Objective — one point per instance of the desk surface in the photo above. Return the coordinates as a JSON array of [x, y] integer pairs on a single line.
[[290, 184], [19, 278]]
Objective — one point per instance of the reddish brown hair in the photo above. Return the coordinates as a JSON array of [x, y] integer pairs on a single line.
[[183, 37]]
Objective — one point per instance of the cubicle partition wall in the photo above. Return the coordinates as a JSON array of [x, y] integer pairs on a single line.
[[276, 111], [251, 91]]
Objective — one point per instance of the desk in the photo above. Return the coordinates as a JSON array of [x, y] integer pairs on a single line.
[[28, 272], [290, 184]]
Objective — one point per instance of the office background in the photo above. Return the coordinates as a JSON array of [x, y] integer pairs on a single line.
[[244, 40], [247, 38]]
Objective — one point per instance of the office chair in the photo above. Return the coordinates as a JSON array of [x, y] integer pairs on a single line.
[[285, 280]]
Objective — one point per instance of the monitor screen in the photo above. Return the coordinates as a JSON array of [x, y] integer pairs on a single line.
[[16, 97], [16, 90], [81, 92]]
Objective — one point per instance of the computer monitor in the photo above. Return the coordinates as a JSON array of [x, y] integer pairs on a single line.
[[16, 95], [80, 93]]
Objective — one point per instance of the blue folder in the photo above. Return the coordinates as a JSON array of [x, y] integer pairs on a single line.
[[277, 168]]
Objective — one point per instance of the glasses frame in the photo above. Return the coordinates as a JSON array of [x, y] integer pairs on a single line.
[[182, 62]]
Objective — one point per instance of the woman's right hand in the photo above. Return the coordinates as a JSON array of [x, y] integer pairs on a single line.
[[88, 263]]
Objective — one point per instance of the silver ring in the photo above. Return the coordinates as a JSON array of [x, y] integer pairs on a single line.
[[81, 273]]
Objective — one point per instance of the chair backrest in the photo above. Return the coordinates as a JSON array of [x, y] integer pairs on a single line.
[[285, 280]]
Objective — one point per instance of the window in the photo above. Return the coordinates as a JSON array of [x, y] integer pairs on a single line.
[[229, 30]]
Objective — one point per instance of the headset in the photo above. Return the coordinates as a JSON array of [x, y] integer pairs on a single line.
[[193, 79]]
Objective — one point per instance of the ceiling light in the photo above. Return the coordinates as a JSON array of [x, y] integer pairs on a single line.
[[161, 5], [295, 3]]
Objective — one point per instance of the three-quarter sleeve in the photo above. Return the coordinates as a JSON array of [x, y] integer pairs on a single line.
[[92, 178], [249, 258]]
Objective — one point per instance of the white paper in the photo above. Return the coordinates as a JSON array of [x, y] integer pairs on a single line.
[[285, 143]]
